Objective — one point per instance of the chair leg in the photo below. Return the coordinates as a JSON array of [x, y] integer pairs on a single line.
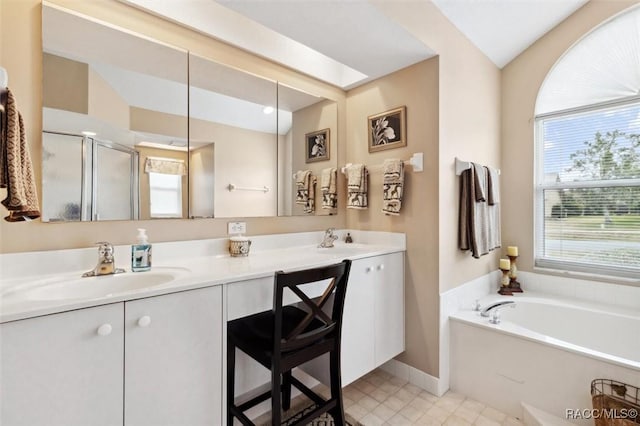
[[231, 364], [336, 412], [286, 390], [276, 416]]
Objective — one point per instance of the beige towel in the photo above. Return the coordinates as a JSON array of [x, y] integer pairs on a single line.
[[357, 187], [305, 190], [329, 188], [392, 183], [16, 169]]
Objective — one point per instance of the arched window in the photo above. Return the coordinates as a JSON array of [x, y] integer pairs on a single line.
[[588, 154]]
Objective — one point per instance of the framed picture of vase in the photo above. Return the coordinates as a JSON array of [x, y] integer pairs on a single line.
[[388, 129], [317, 146]]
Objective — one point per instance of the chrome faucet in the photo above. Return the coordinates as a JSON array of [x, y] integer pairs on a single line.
[[493, 310], [329, 238], [106, 261]]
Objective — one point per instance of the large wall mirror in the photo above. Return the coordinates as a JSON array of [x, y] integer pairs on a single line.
[[233, 139], [137, 129], [308, 141], [114, 143]]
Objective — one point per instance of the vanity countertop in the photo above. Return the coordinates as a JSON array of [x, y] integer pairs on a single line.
[[21, 295]]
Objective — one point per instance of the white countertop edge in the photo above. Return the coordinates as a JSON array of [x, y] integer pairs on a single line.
[[207, 270]]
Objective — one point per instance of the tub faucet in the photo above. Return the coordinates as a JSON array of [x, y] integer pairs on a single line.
[[106, 261], [493, 310], [329, 238]]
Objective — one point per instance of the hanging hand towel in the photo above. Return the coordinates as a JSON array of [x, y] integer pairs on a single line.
[[305, 190], [393, 183], [493, 201], [16, 169], [329, 188], [478, 228], [357, 177]]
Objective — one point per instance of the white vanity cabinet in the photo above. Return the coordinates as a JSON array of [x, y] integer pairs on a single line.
[[67, 369], [373, 318], [173, 359], [373, 322], [63, 369]]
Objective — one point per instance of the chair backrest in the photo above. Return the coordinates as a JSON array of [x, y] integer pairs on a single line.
[[297, 337]]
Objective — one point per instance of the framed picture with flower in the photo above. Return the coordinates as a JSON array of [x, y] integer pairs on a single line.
[[317, 146], [388, 129]]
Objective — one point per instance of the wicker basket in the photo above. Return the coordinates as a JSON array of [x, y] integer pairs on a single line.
[[615, 403]]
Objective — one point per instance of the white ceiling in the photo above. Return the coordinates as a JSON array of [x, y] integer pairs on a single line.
[[349, 42], [503, 29]]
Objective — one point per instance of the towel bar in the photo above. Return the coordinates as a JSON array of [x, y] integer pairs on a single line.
[[461, 166], [416, 162], [232, 187]]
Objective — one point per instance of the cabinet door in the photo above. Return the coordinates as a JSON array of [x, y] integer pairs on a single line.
[[389, 306], [173, 359], [63, 369], [358, 320]]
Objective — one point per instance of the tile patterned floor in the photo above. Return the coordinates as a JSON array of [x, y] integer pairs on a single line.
[[382, 399]]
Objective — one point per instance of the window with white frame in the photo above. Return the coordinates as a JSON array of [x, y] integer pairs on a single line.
[[165, 186], [165, 193], [587, 131], [588, 190]]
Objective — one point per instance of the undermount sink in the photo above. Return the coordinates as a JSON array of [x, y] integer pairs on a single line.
[[101, 286]]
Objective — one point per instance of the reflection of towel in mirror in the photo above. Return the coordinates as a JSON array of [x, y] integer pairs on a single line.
[[392, 184], [357, 177], [479, 225], [16, 169], [305, 190], [329, 188]]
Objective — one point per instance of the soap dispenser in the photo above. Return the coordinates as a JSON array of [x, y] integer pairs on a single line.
[[141, 253]]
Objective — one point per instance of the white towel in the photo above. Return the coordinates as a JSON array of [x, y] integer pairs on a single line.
[[392, 184], [329, 188], [357, 181], [493, 208]]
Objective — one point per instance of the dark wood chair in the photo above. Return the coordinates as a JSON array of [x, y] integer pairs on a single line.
[[288, 336]]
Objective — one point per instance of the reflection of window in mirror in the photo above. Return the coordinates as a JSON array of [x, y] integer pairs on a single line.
[[166, 195]]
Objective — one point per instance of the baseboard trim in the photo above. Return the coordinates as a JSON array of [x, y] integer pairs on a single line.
[[417, 377]]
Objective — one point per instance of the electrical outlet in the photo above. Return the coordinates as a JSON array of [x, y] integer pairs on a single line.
[[237, 228]]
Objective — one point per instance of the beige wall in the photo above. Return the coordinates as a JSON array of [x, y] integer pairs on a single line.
[[66, 84], [468, 93], [469, 125], [202, 181], [415, 87], [243, 157], [105, 103], [20, 38], [521, 81]]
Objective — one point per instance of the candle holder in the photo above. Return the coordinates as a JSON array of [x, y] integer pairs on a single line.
[[514, 284], [504, 283]]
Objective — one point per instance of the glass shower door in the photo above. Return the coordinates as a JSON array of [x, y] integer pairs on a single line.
[[115, 195]]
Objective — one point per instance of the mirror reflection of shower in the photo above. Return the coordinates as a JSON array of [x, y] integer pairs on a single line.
[[86, 179]]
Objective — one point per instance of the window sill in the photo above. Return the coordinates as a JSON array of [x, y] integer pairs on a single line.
[[589, 276]]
